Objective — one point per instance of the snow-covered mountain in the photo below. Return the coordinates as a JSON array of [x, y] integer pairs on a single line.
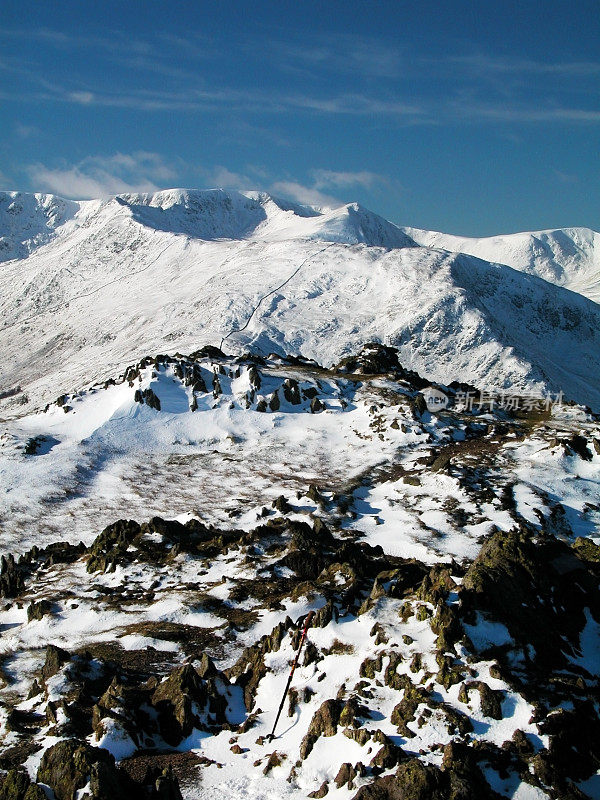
[[568, 257], [107, 281], [169, 521]]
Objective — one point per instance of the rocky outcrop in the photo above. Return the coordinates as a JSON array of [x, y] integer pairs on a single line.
[[111, 545], [177, 701], [71, 764], [324, 723], [12, 577]]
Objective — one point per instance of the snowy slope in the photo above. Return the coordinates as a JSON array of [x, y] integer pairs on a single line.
[[179, 269], [568, 257], [30, 220]]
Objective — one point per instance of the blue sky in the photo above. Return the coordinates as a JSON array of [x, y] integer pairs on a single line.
[[469, 118]]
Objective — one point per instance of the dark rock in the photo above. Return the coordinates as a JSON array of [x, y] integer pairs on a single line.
[[282, 505], [175, 700], [412, 781], [12, 577], [316, 406], [208, 351], [147, 396], [274, 402], [167, 786], [15, 785], [111, 546], [586, 549], [324, 723], [291, 392], [418, 405], [373, 359], [55, 658], [254, 378], [38, 610], [69, 765], [321, 791], [345, 776], [578, 444]]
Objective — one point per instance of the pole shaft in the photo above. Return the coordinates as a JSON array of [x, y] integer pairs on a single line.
[[291, 675]]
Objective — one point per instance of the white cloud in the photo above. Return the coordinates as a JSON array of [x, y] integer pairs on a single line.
[[26, 131], [101, 176], [304, 194], [84, 98], [364, 178], [225, 179]]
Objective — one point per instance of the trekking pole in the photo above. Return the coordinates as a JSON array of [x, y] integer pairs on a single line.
[[307, 622]]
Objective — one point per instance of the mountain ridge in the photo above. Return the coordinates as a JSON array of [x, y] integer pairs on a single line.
[[125, 276]]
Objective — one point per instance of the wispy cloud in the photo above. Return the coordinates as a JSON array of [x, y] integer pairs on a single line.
[[347, 54], [565, 177], [26, 131], [101, 176], [309, 195], [480, 63], [477, 87], [224, 178], [367, 180]]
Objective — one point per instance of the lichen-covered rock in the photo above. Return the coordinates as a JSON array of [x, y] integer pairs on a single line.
[[538, 588], [405, 711], [68, 765], [413, 780], [250, 668], [15, 785], [490, 701], [35, 792], [586, 549]]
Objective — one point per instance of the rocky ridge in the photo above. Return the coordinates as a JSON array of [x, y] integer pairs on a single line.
[[149, 661]]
